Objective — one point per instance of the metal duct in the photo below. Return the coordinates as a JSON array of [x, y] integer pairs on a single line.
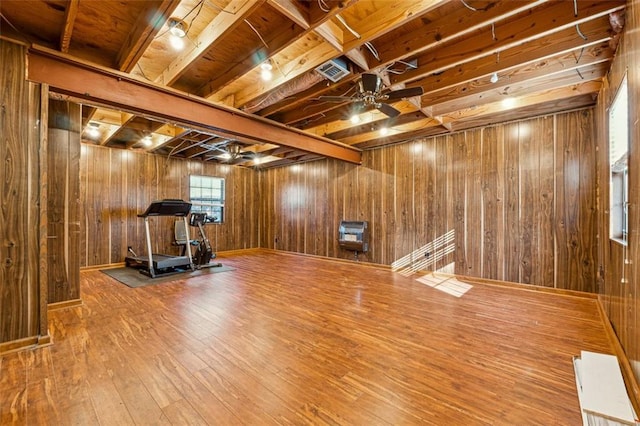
[[290, 88]]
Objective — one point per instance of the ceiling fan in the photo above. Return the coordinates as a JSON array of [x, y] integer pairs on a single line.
[[370, 94], [232, 152]]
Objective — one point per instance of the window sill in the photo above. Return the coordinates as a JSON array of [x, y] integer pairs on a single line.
[[620, 241]]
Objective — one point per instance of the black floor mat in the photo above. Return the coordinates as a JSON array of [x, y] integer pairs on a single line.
[[133, 278]]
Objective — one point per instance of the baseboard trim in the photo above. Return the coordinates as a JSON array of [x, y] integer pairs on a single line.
[[474, 280], [25, 344], [64, 304], [630, 381], [331, 259]]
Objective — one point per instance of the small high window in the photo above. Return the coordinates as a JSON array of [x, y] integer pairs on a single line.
[[207, 196], [619, 165]]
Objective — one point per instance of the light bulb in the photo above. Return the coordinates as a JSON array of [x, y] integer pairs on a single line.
[[384, 131], [176, 42], [508, 103], [266, 75], [146, 141], [266, 68], [355, 119], [494, 78], [177, 27], [93, 131]]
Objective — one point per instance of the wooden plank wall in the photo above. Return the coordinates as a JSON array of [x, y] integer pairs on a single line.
[[512, 202], [22, 310], [116, 185], [618, 263], [63, 239]]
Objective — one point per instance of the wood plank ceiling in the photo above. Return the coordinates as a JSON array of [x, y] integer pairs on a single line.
[[478, 62]]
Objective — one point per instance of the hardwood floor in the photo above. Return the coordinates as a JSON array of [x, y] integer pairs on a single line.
[[288, 339]]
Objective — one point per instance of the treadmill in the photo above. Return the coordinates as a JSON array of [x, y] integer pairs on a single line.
[[153, 264]]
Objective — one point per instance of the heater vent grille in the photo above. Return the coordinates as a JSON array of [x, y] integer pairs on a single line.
[[333, 70]]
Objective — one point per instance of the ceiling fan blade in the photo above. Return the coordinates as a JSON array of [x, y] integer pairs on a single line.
[[370, 82], [335, 98], [388, 110], [405, 93]]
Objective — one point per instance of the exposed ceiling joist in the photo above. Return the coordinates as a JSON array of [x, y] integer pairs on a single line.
[[550, 55], [69, 20], [147, 26]]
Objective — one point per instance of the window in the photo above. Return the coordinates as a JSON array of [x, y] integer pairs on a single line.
[[207, 196], [619, 165]]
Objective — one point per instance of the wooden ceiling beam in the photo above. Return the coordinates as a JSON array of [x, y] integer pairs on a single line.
[[402, 46], [318, 14], [530, 52], [375, 124], [455, 24], [567, 42], [385, 19], [392, 129], [552, 106], [338, 120], [311, 55], [177, 144], [402, 137], [146, 28], [511, 34], [227, 20], [293, 11], [288, 111], [498, 108], [274, 43], [508, 90], [104, 86], [69, 21], [332, 34], [529, 75], [246, 70]]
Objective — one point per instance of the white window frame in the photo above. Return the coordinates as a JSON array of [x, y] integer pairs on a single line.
[[207, 195], [619, 165]]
